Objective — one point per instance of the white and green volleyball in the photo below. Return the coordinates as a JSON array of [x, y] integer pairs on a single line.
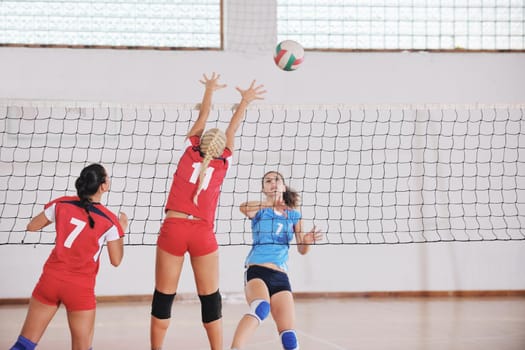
[[289, 55]]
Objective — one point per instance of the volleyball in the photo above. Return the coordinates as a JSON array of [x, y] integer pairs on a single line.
[[289, 55]]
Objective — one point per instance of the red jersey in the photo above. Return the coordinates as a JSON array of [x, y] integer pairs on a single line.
[[186, 178], [78, 246]]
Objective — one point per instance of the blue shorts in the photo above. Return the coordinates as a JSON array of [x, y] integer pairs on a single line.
[[276, 281]]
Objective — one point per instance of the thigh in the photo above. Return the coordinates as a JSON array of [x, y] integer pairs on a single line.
[[81, 326], [283, 310], [206, 272], [167, 271], [256, 289], [38, 317]]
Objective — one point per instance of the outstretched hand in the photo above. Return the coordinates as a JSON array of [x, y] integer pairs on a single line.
[[313, 236], [212, 83], [252, 93]]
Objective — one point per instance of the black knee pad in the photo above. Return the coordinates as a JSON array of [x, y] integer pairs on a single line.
[[211, 307], [161, 305]]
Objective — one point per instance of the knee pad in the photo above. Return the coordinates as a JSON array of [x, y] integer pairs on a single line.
[[259, 308], [211, 307], [161, 305], [289, 340]]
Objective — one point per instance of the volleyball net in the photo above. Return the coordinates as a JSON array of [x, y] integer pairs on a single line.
[[366, 174]]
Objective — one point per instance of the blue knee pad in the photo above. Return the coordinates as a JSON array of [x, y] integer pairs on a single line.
[[22, 343], [289, 340], [259, 308]]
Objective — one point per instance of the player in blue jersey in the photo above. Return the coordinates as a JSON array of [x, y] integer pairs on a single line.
[[275, 222]]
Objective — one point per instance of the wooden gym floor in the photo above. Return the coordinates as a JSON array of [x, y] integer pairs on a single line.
[[377, 323]]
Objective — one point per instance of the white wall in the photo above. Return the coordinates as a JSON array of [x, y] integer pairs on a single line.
[[124, 76], [350, 78]]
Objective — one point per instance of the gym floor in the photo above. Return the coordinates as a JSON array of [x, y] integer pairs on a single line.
[[378, 323]]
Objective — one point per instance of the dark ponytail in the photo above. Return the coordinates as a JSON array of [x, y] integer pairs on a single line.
[[87, 184], [291, 198]]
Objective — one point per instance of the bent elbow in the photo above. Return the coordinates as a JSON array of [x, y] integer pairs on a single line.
[[116, 256], [243, 208], [303, 249], [116, 262], [116, 251]]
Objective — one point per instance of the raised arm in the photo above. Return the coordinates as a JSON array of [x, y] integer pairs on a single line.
[[304, 240], [251, 208], [211, 84], [116, 247], [247, 96], [38, 222]]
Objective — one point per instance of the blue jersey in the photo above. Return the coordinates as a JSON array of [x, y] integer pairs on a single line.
[[272, 233]]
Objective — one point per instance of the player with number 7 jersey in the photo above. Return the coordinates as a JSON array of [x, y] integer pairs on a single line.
[[82, 226], [77, 245]]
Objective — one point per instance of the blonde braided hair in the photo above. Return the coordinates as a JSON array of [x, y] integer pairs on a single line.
[[212, 145]]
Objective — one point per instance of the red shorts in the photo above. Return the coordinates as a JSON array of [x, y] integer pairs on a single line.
[[75, 296], [178, 236]]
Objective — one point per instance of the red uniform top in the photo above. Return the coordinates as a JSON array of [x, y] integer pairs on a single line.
[[78, 246], [186, 178]]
